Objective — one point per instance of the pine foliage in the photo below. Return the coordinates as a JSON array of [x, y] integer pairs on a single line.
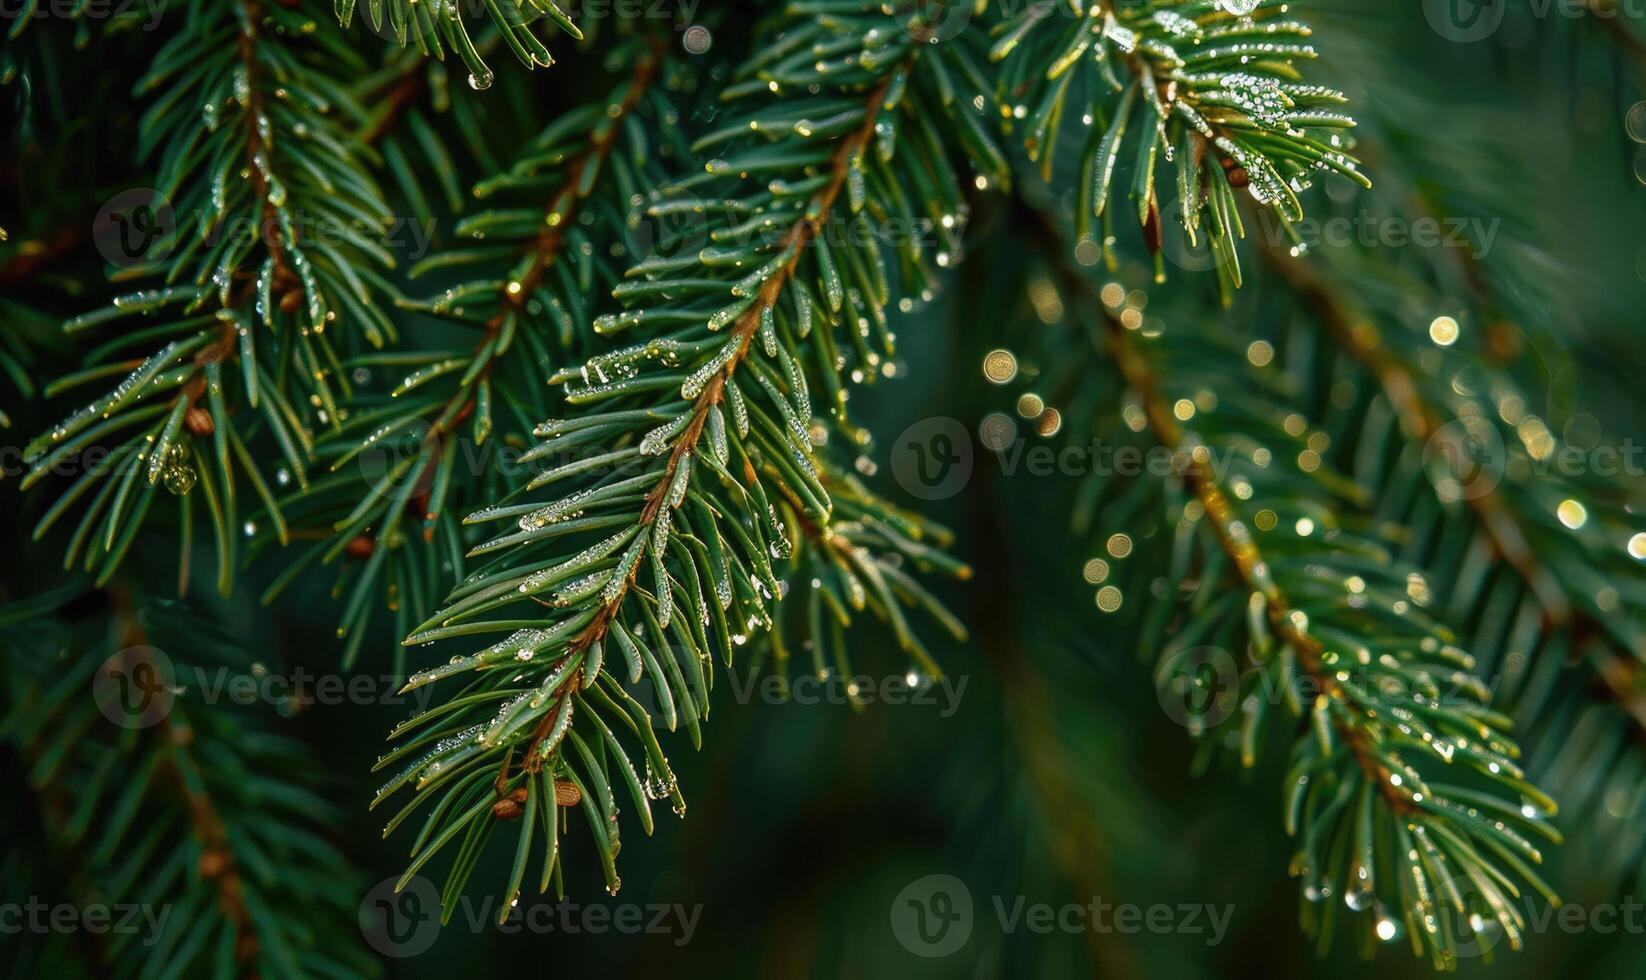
[[202, 815], [659, 307]]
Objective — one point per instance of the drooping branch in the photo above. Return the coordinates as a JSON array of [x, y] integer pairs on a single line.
[[1422, 422], [1236, 540]]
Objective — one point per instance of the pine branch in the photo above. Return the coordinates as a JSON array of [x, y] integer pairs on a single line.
[[248, 278], [1565, 606], [743, 331], [1434, 452], [1503, 525], [197, 814], [1388, 832], [1424, 424], [1214, 90], [1515, 518], [674, 486], [437, 25], [520, 310], [1248, 561]]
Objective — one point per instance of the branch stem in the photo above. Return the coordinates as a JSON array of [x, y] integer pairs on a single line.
[[1498, 520], [743, 332]]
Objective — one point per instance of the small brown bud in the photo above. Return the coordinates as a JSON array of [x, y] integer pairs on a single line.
[[199, 421], [213, 864], [1237, 177], [1151, 227], [519, 795], [506, 810], [291, 301], [566, 793], [361, 546]]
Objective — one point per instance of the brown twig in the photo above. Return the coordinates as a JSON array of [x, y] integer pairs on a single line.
[[216, 862], [1231, 534], [1242, 549], [742, 333], [544, 249]]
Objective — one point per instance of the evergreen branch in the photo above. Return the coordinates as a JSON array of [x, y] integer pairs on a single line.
[[1467, 439], [640, 505], [1503, 519], [1567, 544], [742, 334], [1216, 92], [1421, 422], [1253, 571], [251, 276], [175, 810], [439, 24], [1513, 519], [1390, 834], [519, 313]]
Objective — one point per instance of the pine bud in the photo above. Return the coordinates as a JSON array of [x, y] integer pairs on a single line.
[[199, 422], [213, 864], [511, 806], [1151, 227]]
